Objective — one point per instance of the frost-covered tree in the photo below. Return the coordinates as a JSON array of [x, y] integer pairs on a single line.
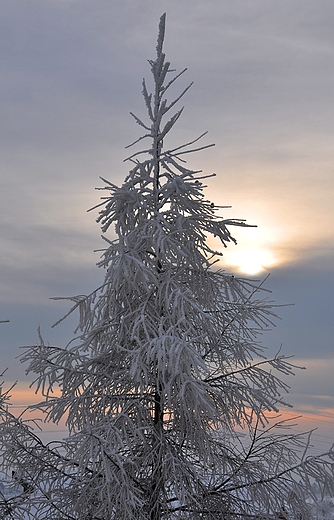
[[165, 387]]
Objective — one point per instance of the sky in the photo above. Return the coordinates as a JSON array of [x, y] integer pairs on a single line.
[[70, 73]]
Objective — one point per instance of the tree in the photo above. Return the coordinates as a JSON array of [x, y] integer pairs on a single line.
[[165, 386]]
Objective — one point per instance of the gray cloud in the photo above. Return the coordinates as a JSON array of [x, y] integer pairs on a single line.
[[71, 72], [306, 329]]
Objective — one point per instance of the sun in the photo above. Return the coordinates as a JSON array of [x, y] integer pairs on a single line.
[[250, 261]]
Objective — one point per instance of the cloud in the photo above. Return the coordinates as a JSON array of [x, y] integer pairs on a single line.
[[70, 75]]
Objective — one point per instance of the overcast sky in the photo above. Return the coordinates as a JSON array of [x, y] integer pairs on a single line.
[[263, 75]]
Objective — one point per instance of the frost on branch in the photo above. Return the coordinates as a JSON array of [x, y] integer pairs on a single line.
[[165, 387]]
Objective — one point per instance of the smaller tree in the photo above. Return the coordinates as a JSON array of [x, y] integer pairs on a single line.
[[165, 388]]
